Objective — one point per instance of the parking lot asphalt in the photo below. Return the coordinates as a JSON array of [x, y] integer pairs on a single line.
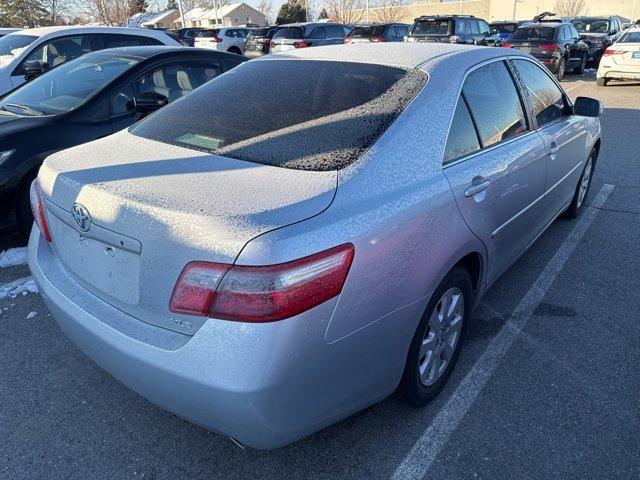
[[547, 386]]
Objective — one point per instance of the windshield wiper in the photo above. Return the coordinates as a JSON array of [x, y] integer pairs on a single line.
[[26, 108]]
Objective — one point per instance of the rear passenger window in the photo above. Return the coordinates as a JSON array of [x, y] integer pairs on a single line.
[[463, 139], [461, 26], [547, 100], [334, 31], [494, 103], [116, 40], [318, 33], [473, 25]]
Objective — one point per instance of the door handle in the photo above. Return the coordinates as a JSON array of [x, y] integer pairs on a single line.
[[553, 149], [479, 184]]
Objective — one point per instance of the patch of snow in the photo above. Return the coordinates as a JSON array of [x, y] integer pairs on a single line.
[[13, 256], [22, 286], [32, 314]]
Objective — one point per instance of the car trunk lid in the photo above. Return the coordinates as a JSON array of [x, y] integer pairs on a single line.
[[627, 54], [127, 214]]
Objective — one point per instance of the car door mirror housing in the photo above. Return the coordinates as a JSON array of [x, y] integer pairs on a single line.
[[588, 107], [35, 69], [150, 102]]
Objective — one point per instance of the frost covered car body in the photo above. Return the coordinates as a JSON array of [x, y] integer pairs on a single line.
[[267, 277]]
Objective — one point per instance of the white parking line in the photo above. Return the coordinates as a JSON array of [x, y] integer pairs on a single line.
[[580, 83], [435, 437]]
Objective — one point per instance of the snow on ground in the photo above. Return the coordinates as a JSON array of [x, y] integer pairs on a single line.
[[22, 286], [32, 314], [13, 256]]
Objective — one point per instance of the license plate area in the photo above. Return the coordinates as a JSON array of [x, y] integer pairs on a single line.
[[635, 55]]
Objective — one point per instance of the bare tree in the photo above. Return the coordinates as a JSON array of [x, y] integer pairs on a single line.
[[571, 8], [346, 11], [265, 7], [388, 11], [57, 10], [104, 12]]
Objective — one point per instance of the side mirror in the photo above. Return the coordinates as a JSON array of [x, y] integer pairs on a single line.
[[149, 102], [35, 69], [588, 107]]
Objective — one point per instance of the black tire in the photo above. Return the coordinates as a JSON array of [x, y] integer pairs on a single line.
[[578, 201], [235, 50], [414, 391], [562, 66], [579, 70], [602, 82], [24, 216]]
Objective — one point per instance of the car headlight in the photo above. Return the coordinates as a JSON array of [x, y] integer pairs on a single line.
[[5, 155]]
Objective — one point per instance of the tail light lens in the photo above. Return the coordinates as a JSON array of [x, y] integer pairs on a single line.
[[552, 47], [609, 52], [215, 39], [347, 39], [272, 44], [376, 39], [38, 210], [301, 44], [506, 45], [261, 294], [454, 39]]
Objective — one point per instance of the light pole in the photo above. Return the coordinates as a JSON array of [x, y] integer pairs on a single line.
[[181, 13], [460, 7], [633, 14], [367, 10]]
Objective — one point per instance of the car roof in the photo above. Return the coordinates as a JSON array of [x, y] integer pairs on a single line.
[[305, 24], [146, 52], [68, 29], [396, 54]]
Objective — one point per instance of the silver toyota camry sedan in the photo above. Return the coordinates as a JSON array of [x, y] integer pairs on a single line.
[[308, 233]]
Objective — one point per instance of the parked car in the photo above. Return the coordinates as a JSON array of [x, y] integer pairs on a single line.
[[186, 36], [296, 281], [88, 98], [557, 45], [7, 31], [621, 61], [450, 29], [226, 39], [258, 41], [504, 29], [378, 32], [598, 33], [25, 54], [303, 35]]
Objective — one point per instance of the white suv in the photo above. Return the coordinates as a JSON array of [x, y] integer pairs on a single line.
[[27, 53], [226, 39]]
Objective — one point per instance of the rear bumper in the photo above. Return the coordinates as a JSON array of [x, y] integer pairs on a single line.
[[265, 385], [619, 72], [254, 53]]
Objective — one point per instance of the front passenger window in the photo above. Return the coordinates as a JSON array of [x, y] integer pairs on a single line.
[[547, 100], [494, 103], [60, 50]]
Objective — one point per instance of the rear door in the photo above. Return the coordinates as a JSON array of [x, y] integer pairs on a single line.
[[563, 134], [496, 165]]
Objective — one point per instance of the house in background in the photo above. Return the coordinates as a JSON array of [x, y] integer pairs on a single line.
[[232, 15], [163, 19]]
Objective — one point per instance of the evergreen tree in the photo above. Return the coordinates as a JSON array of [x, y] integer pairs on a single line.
[[172, 4], [291, 12], [138, 6], [323, 13], [23, 13]]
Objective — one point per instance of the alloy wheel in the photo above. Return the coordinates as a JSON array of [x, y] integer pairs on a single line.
[[441, 336], [584, 183]]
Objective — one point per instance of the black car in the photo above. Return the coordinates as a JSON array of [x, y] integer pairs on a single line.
[[258, 41], [557, 45], [599, 33], [450, 29], [186, 36], [87, 98], [378, 32]]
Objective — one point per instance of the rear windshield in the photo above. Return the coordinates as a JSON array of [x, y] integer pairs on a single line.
[[630, 37], [258, 32], [374, 31], [498, 28], [289, 32], [312, 115], [534, 33], [592, 25], [208, 33], [431, 27]]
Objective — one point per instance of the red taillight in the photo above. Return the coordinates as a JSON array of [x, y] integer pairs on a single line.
[[272, 44], [347, 39], [300, 44], [215, 40], [552, 47], [38, 210], [261, 294], [609, 52], [376, 38], [506, 45]]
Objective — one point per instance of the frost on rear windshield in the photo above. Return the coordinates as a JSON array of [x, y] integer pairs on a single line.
[[299, 114]]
